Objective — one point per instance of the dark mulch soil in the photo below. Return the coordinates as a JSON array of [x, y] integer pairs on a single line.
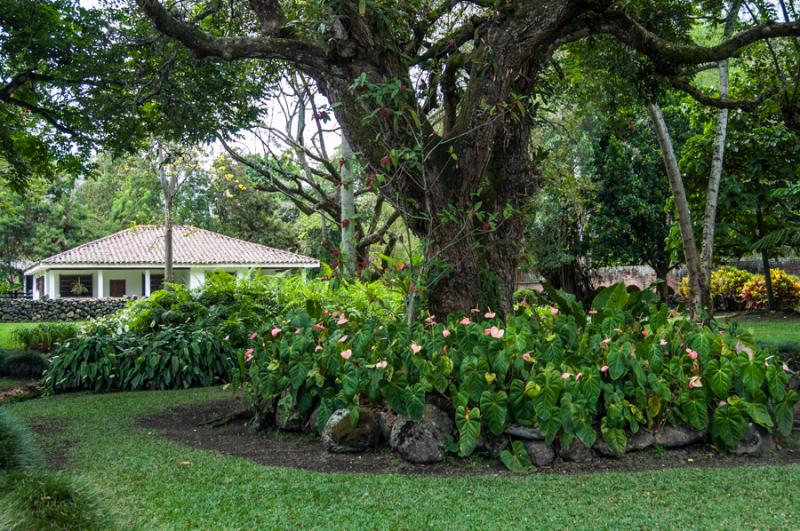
[[184, 425], [55, 452]]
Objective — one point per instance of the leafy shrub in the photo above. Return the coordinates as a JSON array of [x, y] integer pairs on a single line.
[[785, 290], [727, 284], [41, 500], [726, 287], [45, 337], [628, 364], [23, 364], [16, 443], [182, 338]]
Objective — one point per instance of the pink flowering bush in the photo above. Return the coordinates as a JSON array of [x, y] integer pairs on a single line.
[[627, 364]]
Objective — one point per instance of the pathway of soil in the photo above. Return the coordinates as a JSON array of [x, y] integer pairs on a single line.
[[183, 424]]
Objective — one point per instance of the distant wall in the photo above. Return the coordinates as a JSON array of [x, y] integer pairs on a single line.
[[632, 276], [12, 310]]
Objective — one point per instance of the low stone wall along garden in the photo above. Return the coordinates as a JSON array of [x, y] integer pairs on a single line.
[[26, 310]]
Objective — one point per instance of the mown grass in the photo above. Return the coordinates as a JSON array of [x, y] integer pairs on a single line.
[[144, 480], [7, 339], [777, 331]]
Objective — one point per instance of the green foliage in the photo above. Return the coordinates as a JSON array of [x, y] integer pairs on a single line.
[[785, 290], [181, 338], [626, 365], [45, 337], [22, 364], [16, 443], [42, 500]]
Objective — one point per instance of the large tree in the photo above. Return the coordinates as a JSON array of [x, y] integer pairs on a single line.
[[437, 97]]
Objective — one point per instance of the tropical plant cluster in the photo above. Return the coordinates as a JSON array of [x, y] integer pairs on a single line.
[[627, 364], [737, 289], [181, 338], [45, 337]]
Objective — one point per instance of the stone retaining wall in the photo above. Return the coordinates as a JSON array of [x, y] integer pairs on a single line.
[[21, 310]]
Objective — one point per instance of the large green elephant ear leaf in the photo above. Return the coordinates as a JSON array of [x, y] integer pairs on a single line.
[[567, 303], [516, 459], [468, 422]]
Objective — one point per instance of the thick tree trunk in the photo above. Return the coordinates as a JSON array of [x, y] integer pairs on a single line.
[[698, 302]]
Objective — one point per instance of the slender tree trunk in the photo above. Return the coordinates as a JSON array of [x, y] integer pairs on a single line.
[[712, 196], [348, 244], [682, 209], [662, 274], [168, 259], [765, 260]]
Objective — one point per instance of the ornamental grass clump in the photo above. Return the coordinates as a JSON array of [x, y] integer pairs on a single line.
[[16, 444], [627, 364]]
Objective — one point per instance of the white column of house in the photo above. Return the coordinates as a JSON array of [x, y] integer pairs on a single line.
[[100, 282], [147, 283], [51, 290], [36, 294]]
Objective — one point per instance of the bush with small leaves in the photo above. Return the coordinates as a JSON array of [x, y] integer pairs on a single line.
[[785, 291], [23, 364]]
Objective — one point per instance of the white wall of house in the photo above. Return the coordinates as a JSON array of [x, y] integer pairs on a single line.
[[101, 281]]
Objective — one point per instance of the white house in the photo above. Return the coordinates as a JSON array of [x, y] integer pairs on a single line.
[[131, 262]]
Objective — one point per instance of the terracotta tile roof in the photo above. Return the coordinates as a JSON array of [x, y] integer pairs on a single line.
[[144, 244]]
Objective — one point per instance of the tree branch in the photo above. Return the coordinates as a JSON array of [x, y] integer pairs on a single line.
[[682, 83], [663, 52], [202, 44]]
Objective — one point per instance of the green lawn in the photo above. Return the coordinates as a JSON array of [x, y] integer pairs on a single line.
[[779, 331], [141, 480], [7, 334]]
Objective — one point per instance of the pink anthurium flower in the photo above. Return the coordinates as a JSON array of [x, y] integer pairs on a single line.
[[253, 336], [276, 331], [342, 339], [465, 321], [604, 368], [606, 341], [318, 348], [592, 312], [296, 330], [553, 311], [445, 333], [578, 376], [346, 354], [692, 354], [489, 315], [319, 326], [342, 320], [415, 347], [694, 382], [495, 332], [645, 333], [662, 342], [786, 367], [431, 319], [527, 357], [475, 310], [382, 364], [248, 354], [565, 375]]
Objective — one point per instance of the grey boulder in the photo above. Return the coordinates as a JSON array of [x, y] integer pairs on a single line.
[[424, 441], [754, 442], [577, 452], [540, 453], [341, 436], [677, 436]]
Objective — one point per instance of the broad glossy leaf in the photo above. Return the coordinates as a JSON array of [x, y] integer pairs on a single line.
[[494, 409], [728, 425]]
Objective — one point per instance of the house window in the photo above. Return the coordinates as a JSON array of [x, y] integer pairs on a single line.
[[156, 282], [75, 286], [116, 288]]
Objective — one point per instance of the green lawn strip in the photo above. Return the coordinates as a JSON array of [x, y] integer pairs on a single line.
[[777, 331], [7, 334], [140, 475]]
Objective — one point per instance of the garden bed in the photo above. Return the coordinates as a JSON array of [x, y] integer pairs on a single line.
[[184, 424]]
